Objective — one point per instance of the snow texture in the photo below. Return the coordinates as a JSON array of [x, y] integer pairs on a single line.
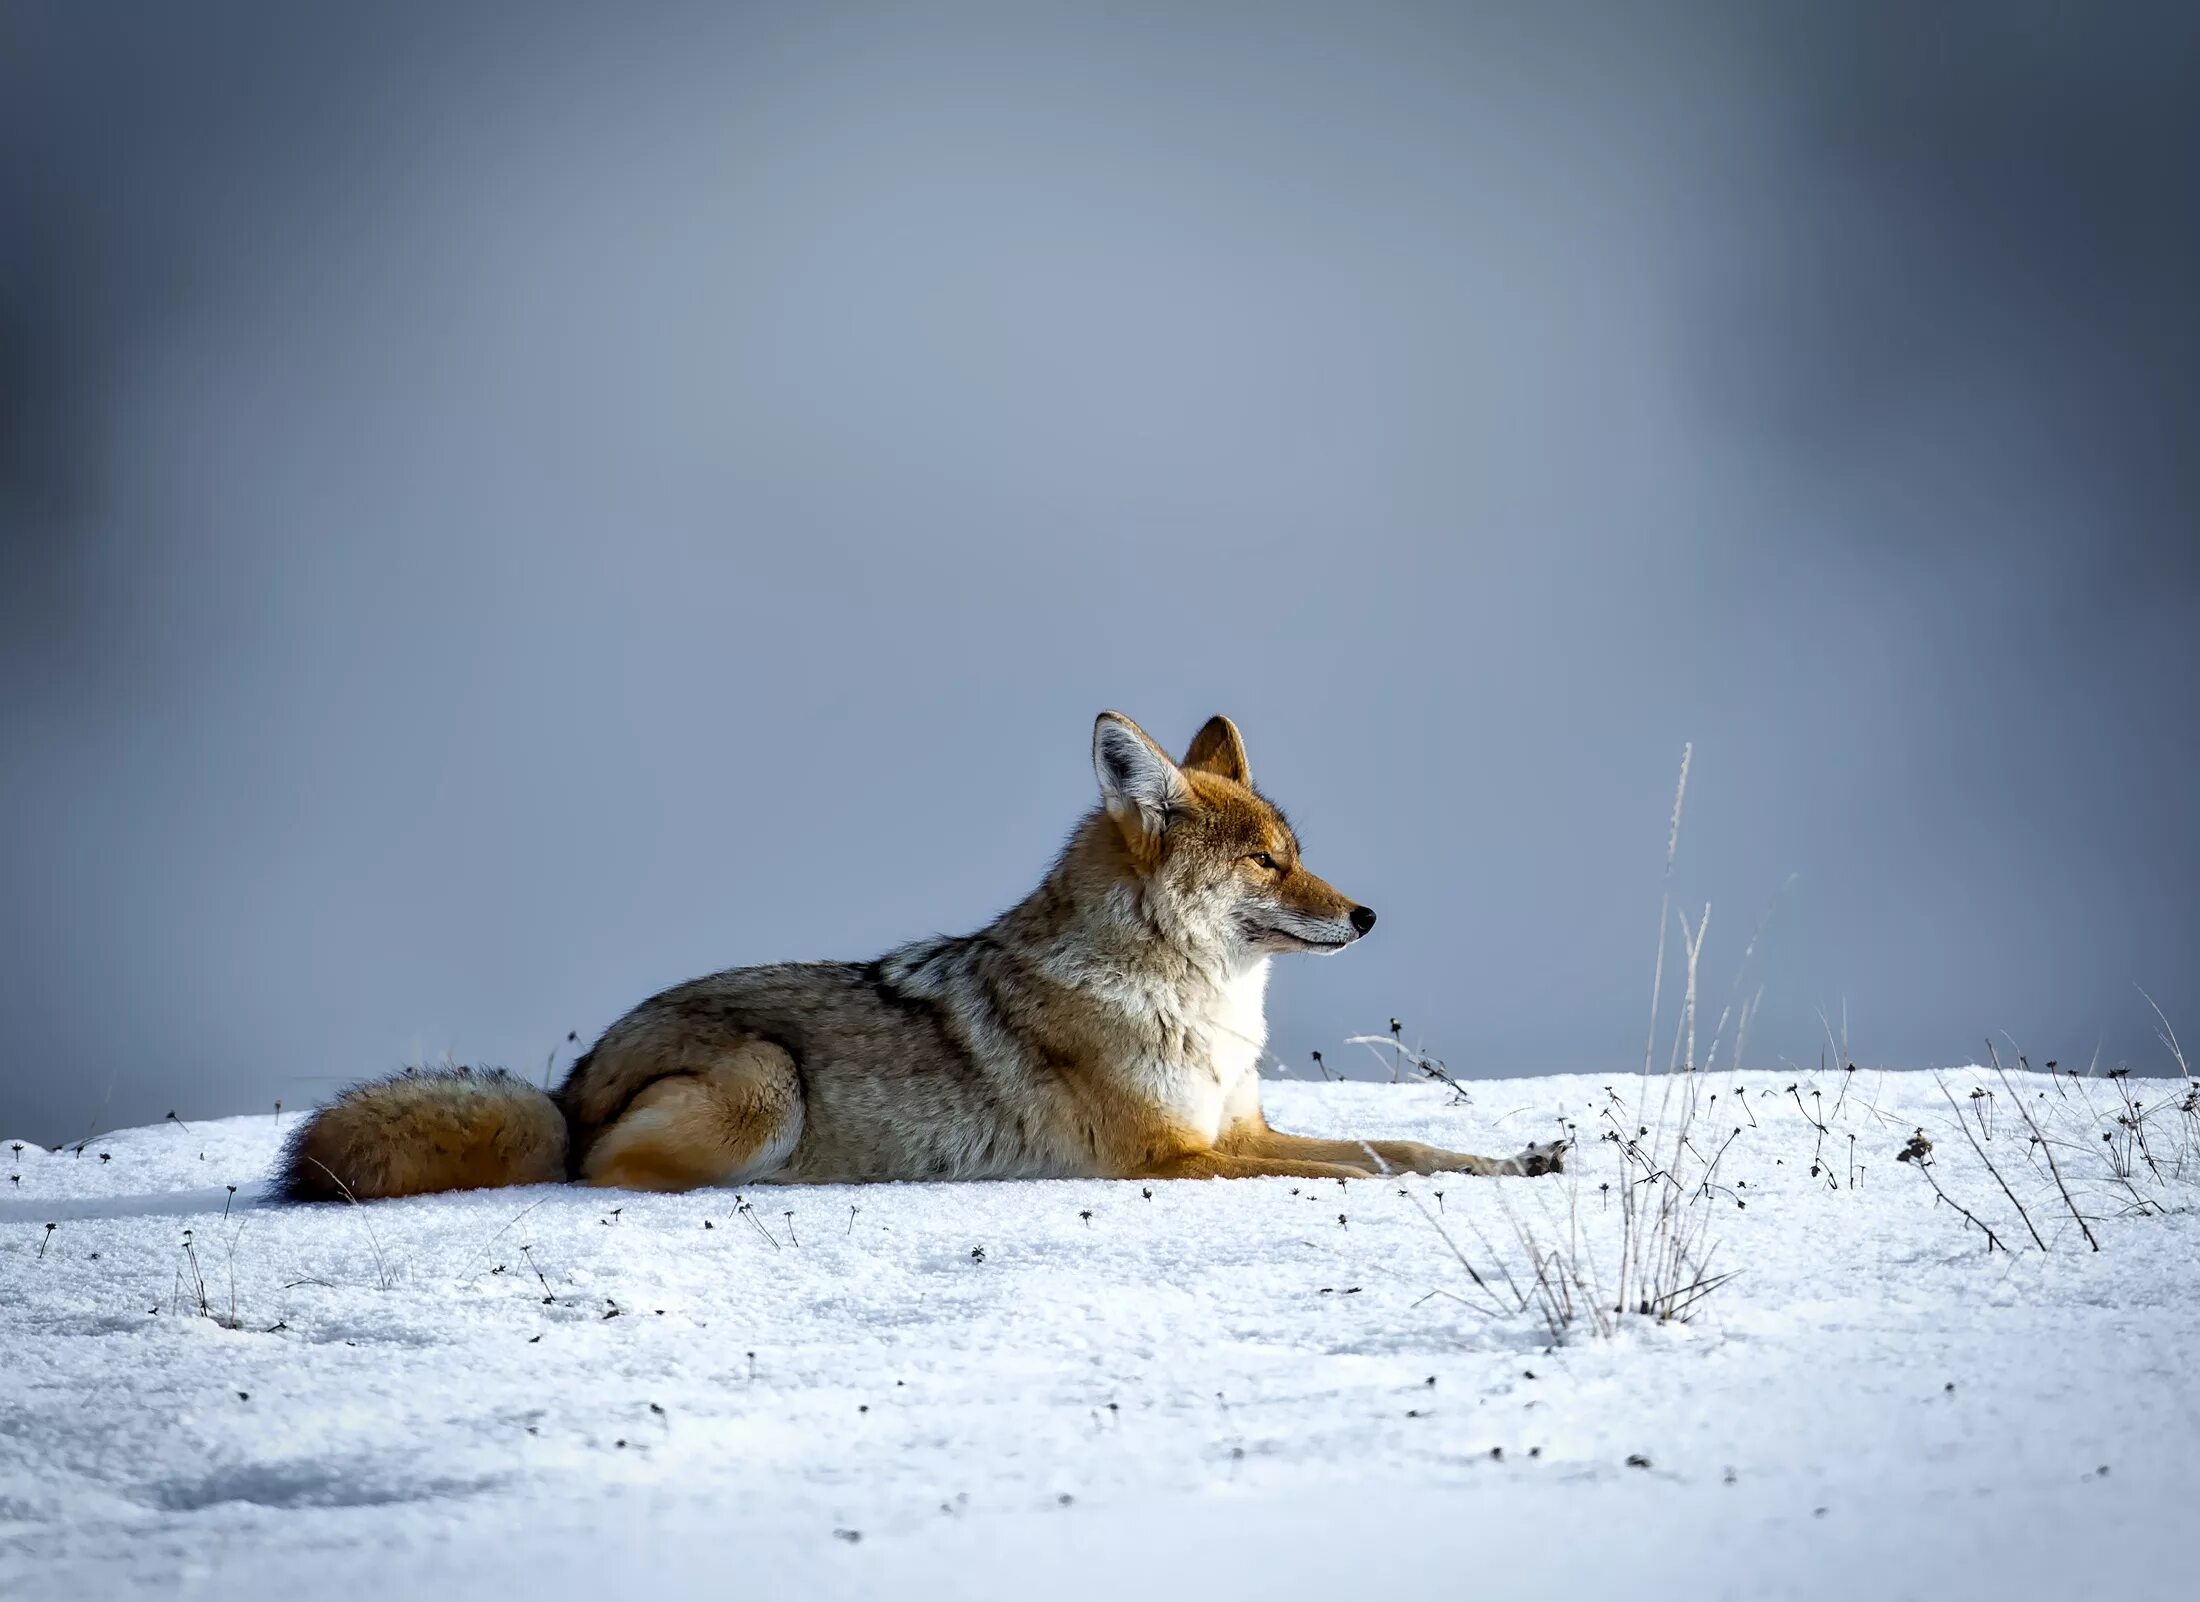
[[1069, 1390]]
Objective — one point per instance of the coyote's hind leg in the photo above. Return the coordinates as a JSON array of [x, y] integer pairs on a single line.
[[735, 1119]]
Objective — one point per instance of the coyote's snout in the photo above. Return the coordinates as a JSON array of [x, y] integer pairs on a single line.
[[1110, 1025]]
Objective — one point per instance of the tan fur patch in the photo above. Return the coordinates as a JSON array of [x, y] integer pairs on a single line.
[[722, 1124]]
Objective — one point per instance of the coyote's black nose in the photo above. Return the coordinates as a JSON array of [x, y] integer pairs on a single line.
[[1363, 919]]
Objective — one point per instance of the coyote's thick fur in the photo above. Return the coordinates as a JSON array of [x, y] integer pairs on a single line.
[[1107, 1026]]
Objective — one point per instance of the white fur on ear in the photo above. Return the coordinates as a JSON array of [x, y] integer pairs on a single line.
[[1137, 779]]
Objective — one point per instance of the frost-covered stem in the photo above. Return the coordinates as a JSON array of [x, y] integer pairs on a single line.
[[1496, 1307], [1665, 905], [2167, 1035], [1993, 1241], [382, 1278], [1989, 1162], [1692, 945], [2053, 1167]]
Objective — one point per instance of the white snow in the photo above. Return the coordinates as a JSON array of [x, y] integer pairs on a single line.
[[1223, 1387]]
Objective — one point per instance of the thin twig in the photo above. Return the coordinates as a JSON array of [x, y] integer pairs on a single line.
[[1989, 1162]]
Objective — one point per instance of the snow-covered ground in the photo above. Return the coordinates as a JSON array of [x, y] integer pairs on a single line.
[[1073, 1390]]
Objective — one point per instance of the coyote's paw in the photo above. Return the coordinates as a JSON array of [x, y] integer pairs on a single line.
[[1548, 1157]]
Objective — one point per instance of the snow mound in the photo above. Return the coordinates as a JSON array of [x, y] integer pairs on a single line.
[[1261, 1387]]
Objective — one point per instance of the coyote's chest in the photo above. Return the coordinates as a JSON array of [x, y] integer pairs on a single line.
[[1203, 1071]]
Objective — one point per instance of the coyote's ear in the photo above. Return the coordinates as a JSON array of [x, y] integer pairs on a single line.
[[1137, 780], [1219, 748]]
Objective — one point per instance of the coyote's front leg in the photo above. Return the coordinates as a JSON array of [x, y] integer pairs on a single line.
[[1395, 1156], [1254, 1165]]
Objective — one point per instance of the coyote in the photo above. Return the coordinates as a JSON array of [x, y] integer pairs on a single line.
[[1107, 1026]]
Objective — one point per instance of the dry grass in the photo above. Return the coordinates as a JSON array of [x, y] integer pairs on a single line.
[[2051, 1156]]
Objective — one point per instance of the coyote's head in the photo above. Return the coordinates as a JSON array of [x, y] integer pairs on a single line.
[[1211, 860]]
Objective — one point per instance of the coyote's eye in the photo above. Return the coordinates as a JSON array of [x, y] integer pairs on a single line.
[[1264, 860]]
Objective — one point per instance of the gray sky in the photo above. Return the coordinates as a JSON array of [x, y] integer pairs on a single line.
[[507, 510]]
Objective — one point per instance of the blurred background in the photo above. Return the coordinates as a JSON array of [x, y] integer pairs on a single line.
[[507, 508]]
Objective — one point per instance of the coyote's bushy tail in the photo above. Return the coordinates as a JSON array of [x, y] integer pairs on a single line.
[[426, 1130]]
